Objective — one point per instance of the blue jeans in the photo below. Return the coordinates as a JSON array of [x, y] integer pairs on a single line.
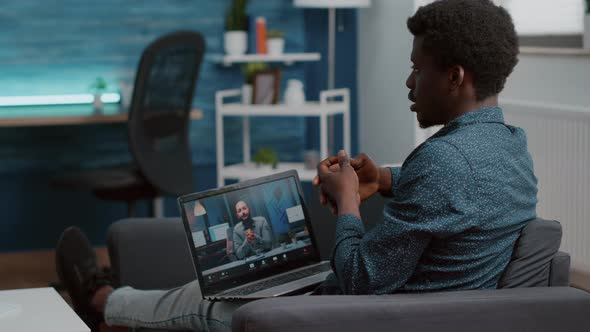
[[181, 308]]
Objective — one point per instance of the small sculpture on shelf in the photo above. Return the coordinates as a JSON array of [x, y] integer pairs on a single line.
[[266, 156], [294, 94]]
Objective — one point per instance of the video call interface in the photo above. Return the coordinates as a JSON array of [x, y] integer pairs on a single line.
[[248, 229]]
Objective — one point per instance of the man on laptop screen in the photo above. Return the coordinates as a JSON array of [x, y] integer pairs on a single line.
[[252, 235]]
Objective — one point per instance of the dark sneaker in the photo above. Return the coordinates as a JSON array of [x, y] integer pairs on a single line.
[[79, 273]]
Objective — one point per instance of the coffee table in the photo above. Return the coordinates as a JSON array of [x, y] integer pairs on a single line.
[[37, 309]]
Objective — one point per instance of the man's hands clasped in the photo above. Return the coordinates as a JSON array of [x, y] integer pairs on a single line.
[[344, 182], [250, 236]]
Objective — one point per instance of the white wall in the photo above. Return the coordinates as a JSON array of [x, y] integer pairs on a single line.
[[555, 79], [557, 88], [386, 125]]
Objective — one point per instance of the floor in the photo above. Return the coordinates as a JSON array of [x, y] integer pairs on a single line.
[[34, 268]]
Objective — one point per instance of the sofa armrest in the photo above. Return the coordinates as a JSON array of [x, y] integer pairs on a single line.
[[150, 253], [520, 309], [559, 270]]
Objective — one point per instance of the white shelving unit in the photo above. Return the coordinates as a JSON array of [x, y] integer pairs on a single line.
[[286, 58], [332, 102]]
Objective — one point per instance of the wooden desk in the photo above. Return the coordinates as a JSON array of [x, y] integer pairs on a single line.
[[65, 115]]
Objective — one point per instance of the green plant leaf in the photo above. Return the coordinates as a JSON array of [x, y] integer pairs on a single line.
[[275, 34], [266, 156], [235, 17], [99, 85], [250, 69]]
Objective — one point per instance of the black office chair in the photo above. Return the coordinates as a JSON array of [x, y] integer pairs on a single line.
[[158, 128]]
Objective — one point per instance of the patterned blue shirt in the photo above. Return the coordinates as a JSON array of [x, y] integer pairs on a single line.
[[459, 202]]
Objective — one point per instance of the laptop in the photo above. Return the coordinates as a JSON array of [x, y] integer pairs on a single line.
[[253, 239]]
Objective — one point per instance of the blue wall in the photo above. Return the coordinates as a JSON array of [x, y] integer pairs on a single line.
[[316, 74], [61, 46]]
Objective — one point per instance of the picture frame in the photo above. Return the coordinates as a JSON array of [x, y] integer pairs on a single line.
[[266, 86]]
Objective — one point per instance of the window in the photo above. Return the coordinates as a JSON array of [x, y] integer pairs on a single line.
[[546, 17], [541, 17]]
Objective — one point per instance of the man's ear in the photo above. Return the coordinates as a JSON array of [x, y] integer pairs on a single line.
[[456, 75]]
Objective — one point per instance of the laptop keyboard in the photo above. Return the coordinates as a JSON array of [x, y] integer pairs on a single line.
[[279, 280]]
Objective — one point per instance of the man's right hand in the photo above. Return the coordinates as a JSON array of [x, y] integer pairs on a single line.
[[368, 174]]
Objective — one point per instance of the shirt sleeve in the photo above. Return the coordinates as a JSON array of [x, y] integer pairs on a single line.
[[395, 173], [431, 198]]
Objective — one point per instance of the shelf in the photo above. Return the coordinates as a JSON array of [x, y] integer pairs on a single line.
[[287, 58], [332, 102], [247, 171], [307, 109]]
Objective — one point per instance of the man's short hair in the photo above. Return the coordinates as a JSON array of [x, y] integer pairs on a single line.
[[475, 34]]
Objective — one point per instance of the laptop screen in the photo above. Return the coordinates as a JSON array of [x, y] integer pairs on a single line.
[[248, 231]]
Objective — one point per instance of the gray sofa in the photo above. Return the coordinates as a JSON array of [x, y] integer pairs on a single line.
[[535, 294]]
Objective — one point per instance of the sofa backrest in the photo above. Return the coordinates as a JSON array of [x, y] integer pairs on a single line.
[[150, 253], [535, 261]]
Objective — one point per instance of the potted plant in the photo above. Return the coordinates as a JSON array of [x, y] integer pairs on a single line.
[[249, 70], [266, 156], [98, 87], [587, 26], [235, 38], [275, 41]]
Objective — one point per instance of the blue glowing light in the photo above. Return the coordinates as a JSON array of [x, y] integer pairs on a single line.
[[107, 98]]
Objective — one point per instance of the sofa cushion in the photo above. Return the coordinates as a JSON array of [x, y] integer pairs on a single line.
[[530, 265]]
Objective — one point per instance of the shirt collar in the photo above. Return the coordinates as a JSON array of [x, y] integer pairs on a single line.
[[482, 115]]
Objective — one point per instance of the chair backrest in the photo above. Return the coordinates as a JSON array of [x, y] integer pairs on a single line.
[[159, 117], [535, 260]]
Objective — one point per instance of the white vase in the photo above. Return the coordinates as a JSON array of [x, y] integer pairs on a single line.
[[276, 46], [235, 42], [587, 31], [247, 94], [294, 94], [97, 103]]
